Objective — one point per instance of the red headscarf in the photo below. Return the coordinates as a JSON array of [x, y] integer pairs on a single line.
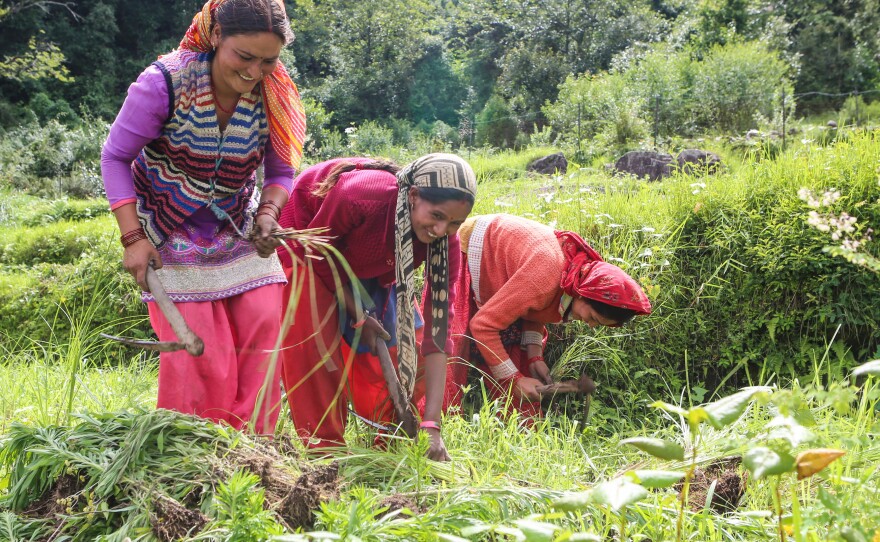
[[587, 275], [286, 114]]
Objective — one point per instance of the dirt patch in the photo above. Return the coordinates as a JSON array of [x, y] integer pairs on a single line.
[[730, 484], [61, 496], [172, 521], [312, 488]]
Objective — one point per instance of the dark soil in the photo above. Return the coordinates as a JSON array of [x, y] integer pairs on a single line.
[[172, 521], [730, 484], [56, 501], [312, 488]]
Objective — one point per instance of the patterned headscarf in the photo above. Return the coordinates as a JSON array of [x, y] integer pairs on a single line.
[[430, 171], [587, 275], [286, 114]]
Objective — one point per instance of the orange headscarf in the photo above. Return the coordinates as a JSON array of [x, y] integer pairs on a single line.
[[587, 275], [286, 114]]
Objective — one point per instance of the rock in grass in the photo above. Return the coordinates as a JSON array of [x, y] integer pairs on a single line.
[[552, 164], [645, 164]]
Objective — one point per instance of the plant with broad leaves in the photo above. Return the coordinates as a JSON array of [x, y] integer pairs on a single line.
[[718, 414]]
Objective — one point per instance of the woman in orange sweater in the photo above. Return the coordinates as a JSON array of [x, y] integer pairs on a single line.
[[517, 275]]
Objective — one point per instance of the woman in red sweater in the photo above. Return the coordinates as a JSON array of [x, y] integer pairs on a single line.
[[385, 221], [517, 275]]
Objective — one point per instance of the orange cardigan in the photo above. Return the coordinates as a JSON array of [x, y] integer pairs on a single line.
[[520, 271]]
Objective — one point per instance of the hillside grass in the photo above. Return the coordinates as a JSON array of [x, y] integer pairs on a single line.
[[743, 295]]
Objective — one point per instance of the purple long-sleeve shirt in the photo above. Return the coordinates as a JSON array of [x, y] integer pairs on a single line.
[[140, 121]]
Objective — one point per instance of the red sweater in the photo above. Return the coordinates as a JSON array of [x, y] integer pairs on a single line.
[[520, 273], [360, 212]]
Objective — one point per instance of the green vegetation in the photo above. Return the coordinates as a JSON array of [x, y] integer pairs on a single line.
[[749, 288]]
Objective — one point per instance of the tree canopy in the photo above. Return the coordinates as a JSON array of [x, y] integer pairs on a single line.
[[429, 60]]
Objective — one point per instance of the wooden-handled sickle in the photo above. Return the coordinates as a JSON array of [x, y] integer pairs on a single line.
[[186, 338]]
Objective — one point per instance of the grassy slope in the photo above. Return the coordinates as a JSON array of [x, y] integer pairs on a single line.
[[504, 477]]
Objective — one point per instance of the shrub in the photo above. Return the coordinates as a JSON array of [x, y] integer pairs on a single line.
[[664, 92], [496, 126], [371, 139], [50, 159], [736, 82]]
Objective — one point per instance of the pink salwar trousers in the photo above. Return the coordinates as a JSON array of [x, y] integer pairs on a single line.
[[225, 383]]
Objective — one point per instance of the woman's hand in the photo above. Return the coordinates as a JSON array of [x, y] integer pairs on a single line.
[[370, 331], [264, 242], [135, 259], [539, 370], [437, 449], [527, 388]]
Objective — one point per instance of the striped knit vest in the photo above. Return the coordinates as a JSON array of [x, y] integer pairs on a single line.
[[190, 164]]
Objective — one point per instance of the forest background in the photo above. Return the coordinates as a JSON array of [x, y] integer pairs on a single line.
[[482, 70]]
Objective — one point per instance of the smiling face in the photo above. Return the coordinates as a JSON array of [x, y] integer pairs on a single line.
[[243, 60], [583, 311], [432, 221]]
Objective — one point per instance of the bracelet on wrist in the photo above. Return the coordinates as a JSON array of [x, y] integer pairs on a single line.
[[267, 212], [534, 359], [363, 320], [131, 237], [427, 424], [269, 205]]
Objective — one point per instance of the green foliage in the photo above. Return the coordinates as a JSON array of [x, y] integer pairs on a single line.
[[239, 509], [735, 83], [67, 263], [370, 139], [41, 60], [320, 136], [124, 465], [496, 126], [666, 92], [52, 159]]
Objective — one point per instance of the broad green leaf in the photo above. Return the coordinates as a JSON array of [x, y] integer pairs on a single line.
[[675, 409], [618, 493], [870, 368], [763, 462], [655, 479], [572, 502], [657, 447], [536, 531], [809, 462], [851, 534], [788, 428], [728, 409]]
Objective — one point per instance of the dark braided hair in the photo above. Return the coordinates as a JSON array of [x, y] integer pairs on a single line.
[[322, 188]]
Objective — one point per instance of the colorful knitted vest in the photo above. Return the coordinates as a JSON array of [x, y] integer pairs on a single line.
[[191, 163]]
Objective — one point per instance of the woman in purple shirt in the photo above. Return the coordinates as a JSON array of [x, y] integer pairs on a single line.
[[179, 170]]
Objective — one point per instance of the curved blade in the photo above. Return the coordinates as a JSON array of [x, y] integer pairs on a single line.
[[147, 345]]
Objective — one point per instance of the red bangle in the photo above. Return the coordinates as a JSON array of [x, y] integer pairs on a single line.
[[534, 359], [129, 238], [267, 212], [429, 425]]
